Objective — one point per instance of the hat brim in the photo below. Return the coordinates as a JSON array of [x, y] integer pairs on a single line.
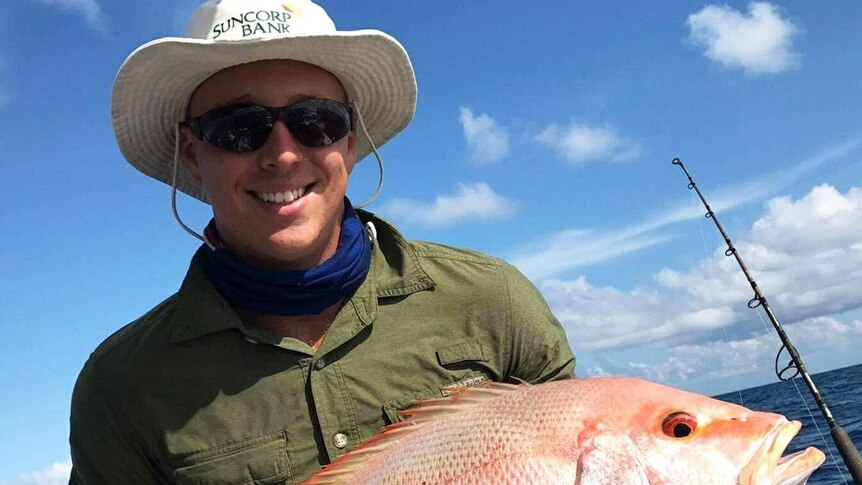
[[154, 85]]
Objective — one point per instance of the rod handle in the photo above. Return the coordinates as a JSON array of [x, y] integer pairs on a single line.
[[849, 453]]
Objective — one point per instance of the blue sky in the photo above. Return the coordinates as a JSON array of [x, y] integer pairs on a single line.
[[543, 134]]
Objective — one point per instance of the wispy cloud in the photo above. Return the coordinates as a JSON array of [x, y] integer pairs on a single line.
[[726, 198], [572, 249], [55, 474], [88, 8], [555, 255], [759, 42], [473, 202], [488, 141], [720, 359], [580, 142], [806, 254]]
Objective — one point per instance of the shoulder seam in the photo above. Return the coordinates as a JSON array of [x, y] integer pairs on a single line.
[[461, 259], [453, 254]]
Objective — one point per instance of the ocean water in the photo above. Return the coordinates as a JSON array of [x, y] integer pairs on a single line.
[[842, 391]]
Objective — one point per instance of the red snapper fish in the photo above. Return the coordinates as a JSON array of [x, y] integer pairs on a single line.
[[613, 430]]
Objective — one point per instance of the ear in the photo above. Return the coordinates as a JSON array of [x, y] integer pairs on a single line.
[[350, 160], [188, 153]]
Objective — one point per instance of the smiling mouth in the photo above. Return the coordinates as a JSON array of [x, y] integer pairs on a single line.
[[283, 198]]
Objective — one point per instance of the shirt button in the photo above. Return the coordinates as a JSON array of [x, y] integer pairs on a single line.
[[320, 364], [339, 440]]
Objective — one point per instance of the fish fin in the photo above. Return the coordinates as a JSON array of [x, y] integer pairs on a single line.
[[416, 417], [611, 460], [463, 397]]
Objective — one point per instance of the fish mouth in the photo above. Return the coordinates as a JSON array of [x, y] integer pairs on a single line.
[[796, 468], [769, 466]]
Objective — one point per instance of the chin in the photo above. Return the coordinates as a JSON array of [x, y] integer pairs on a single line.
[[286, 246], [289, 247]]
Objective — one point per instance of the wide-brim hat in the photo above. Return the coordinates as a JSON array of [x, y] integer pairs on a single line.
[[153, 87]]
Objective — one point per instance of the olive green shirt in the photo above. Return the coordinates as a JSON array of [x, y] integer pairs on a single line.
[[189, 393]]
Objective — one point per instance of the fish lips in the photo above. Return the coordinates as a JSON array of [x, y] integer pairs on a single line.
[[768, 466]]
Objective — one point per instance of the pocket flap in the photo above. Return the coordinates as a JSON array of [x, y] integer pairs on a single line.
[[461, 352], [258, 460]]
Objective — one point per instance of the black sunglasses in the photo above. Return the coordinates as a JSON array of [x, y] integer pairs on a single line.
[[313, 122]]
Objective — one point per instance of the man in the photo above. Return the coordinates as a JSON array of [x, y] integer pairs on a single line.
[[303, 326]]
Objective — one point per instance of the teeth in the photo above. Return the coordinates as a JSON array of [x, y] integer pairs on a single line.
[[285, 197]]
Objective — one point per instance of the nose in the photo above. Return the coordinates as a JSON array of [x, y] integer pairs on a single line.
[[281, 149]]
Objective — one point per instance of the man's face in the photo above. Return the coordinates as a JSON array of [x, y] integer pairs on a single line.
[[272, 235]]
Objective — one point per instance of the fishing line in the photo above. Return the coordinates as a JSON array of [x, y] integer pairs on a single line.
[[823, 438], [807, 408], [849, 452], [706, 258], [767, 330]]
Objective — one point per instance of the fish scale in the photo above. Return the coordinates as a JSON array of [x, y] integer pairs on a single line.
[[579, 431]]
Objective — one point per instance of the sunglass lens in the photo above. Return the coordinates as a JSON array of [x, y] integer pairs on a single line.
[[318, 122], [243, 129]]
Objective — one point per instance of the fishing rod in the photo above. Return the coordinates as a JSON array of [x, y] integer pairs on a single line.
[[849, 453]]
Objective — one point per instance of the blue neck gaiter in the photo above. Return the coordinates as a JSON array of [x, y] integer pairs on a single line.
[[302, 292]]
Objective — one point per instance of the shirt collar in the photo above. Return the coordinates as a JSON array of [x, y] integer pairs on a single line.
[[395, 271], [394, 261]]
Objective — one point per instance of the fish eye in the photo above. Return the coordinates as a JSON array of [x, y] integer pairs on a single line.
[[679, 425]]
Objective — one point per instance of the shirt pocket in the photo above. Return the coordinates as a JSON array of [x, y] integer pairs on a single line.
[[462, 364], [257, 460]]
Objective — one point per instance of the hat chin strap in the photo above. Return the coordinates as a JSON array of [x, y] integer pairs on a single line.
[[203, 238], [376, 155], [174, 191]]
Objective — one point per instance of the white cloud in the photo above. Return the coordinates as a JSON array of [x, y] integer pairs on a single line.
[[553, 255], [89, 8], [726, 358], [785, 226], [759, 42], [598, 371], [488, 141], [727, 363], [474, 202], [805, 255], [726, 198], [607, 318], [580, 142], [56, 474], [673, 369]]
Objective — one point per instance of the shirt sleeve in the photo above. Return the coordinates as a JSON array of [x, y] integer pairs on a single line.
[[540, 351], [102, 453]]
